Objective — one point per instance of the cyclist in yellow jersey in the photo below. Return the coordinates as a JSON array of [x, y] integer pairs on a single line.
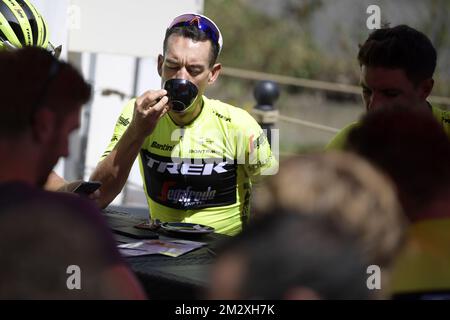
[[397, 66], [197, 163]]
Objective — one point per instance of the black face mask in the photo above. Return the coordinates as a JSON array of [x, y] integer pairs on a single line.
[[181, 93]]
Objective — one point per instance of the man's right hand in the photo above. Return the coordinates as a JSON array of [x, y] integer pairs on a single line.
[[113, 171], [148, 109]]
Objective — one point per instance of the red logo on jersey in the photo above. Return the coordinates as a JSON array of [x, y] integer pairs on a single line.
[[165, 190]]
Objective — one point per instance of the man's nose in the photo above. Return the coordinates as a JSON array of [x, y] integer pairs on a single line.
[[182, 74]]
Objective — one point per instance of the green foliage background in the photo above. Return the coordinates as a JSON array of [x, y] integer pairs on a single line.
[[284, 44], [314, 39]]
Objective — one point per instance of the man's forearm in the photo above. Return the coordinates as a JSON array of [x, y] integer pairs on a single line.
[[113, 171]]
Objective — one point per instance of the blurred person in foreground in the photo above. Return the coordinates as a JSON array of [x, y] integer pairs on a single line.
[[41, 100], [352, 192], [290, 256], [411, 147], [23, 26], [397, 66], [198, 158], [341, 199]]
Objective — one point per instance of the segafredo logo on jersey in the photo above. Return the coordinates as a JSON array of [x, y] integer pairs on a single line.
[[187, 168], [187, 197]]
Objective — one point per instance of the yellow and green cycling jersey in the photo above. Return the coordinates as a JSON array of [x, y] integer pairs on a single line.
[[339, 140], [422, 268], [202, 172]]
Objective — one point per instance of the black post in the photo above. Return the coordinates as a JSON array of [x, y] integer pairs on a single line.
[[266, 93]]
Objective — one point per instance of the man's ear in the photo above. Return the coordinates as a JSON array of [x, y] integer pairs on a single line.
[[425, 88], [215, 71], [43, 125], [160, 63]]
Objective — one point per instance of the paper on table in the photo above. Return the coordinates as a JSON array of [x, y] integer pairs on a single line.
[[172, 248]]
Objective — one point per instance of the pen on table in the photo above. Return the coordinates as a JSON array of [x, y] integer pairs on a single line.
[[134, 249], [211, 252]]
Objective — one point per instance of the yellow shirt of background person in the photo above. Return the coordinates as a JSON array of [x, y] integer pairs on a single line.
[[423, 267], [339, 140]]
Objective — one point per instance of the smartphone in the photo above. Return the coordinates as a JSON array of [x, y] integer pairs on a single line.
[[87, 187], [133, 232]]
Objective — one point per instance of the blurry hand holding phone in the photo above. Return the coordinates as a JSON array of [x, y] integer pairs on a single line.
[[87, 187]]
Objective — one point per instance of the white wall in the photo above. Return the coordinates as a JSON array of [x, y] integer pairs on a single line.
[[132, 27], [55, 13], [116, 72]]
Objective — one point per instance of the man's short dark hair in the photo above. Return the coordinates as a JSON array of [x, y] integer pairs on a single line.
[[400, 47], [194, 33], [31, 79]]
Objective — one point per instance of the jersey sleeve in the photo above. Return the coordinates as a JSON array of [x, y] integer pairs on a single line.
[[339, 140], [120, 127], [255, 148], [443, 117]]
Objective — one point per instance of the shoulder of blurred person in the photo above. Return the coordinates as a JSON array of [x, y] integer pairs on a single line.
[[43, 234]]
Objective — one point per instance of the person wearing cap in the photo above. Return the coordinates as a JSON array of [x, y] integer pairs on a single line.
[[197, 155], [22, 25], [397, 66]]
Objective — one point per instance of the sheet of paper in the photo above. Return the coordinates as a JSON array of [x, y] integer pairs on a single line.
[[172, 248]]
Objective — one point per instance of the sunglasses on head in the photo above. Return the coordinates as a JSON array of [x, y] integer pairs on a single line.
[[54, 51], [202, 23]]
